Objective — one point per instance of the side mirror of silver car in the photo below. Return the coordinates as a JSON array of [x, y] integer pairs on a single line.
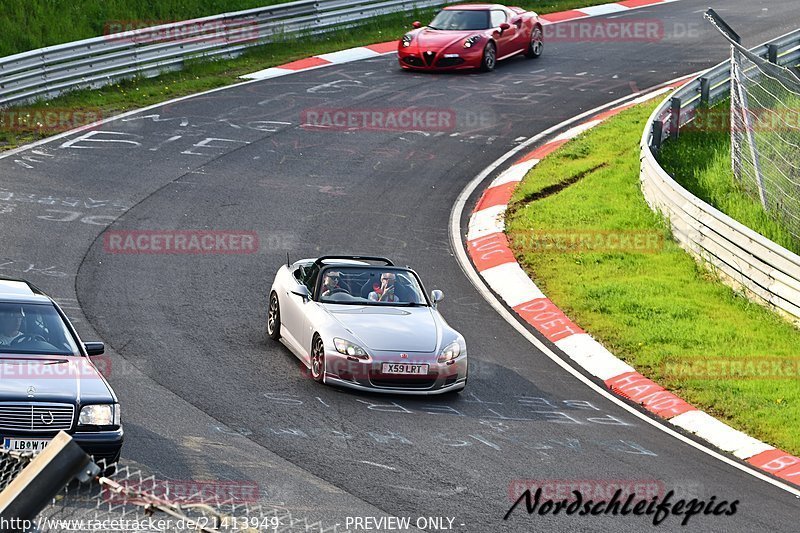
[[302, 291], [437, 296]]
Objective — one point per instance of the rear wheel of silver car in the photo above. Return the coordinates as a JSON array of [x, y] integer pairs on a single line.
[[317, 359], [536, 46], [274, 318], [489, 60]]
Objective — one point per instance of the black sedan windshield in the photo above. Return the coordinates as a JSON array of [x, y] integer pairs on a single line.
[[466, 19], [34, 329]]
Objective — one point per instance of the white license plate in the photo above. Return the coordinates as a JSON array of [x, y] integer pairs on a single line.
[[25, 445], [403, 368]]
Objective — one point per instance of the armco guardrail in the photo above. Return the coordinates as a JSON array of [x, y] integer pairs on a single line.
[[90, 63], [767, 272]]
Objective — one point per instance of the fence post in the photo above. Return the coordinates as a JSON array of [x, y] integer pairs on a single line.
[[675, 117], [772, 53], [705, 90], [738, 93], [41, 480], [655, 134]]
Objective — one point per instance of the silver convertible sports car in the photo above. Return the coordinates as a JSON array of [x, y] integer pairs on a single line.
[[362, 322]]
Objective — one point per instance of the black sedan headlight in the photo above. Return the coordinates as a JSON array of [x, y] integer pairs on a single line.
[[407, 38], [469, 43], [99, 415]]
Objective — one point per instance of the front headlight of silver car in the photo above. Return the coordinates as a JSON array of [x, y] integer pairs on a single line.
[[100, 415], [450, 352], [350, 348], [407, 38]]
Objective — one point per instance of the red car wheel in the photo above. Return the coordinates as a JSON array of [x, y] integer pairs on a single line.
[[536, 46], [489, 60]]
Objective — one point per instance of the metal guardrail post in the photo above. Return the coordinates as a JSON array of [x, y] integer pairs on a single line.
[[675, 117], [705, 90], [656, 133], [58, 464], [772, 53]]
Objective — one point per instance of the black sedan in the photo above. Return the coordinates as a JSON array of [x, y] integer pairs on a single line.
[[48, 383]]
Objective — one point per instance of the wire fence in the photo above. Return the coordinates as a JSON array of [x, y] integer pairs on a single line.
[[11, 464], [124, 499], [766, 272], [765, 135], [129, 500]]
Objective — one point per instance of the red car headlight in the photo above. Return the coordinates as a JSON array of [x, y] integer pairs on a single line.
[[469, 43]]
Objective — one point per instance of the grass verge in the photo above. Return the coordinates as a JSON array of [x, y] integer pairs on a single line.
[[700, 160], [654, 307], [198, 75]]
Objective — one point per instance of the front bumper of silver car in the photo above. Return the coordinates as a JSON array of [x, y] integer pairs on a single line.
[[368, 375]]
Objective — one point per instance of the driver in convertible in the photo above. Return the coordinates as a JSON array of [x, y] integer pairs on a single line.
[[385, 291], [10, 322], [330, 284]]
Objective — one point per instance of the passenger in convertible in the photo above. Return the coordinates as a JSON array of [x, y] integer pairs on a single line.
[[385, 291]]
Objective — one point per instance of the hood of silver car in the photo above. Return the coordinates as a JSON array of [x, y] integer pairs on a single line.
[[402, 329]]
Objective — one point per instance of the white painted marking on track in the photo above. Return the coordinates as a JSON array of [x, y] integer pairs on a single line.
[[486, 221], [267, 73], [351, 54], [604, 9], [720, 434], [512, 284], [387, 467]]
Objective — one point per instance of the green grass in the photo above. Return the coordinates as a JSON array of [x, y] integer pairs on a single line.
[[39, 22], [29, 24], [650, 309], [701, 162]]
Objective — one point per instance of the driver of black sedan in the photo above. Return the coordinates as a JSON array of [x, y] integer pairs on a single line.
[[10, 323]]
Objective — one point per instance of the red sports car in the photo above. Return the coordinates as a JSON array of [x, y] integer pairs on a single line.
[[471, 36]]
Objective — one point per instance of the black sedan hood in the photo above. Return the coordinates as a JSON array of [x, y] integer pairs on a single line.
[[36, 378]]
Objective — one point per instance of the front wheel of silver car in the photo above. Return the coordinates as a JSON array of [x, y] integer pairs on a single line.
[[274, 318], [317, 359]]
